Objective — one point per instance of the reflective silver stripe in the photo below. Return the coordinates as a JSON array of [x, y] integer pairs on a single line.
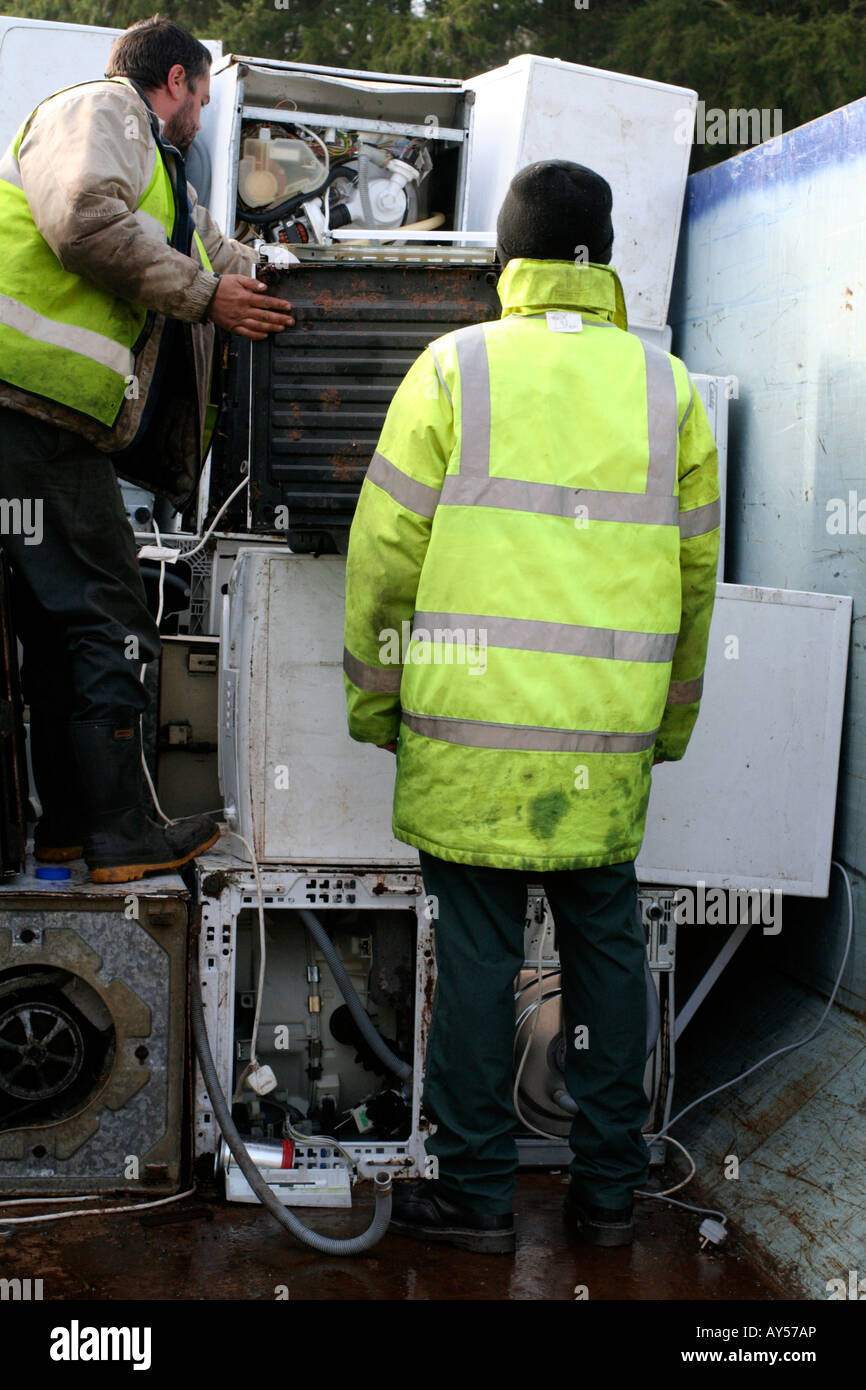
[[474, 487], [151, 225], [685, 692], [474, 401], [366, 677], [414, 496], [441, 378], [475, 733], [550, 499], [563, 639], [9, 171], [661, 397], [63, 335], [689, 406], [700, 520]]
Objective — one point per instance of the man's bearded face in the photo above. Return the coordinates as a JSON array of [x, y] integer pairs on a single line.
[[180, 128]]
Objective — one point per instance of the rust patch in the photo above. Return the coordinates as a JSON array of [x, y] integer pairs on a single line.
[[330, 399], [346, 469], [427, 1005], [330, 300]]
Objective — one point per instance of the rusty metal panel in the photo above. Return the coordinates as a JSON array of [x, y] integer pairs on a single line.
[[320, 391]]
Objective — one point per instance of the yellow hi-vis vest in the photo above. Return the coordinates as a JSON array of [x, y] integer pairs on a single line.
[[61, 336], [530, 578]]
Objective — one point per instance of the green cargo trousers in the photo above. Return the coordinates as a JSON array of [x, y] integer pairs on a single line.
[[479, 918]]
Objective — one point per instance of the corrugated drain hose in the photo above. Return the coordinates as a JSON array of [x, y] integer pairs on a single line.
[[356, 1245], [368, 1030]]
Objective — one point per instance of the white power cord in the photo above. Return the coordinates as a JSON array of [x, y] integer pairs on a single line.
[[188, 554], [31, 1201], [170, 555], [144, 767], [709, 1231], [666, 1139], [789, 1047], [89, 1211], [253, 1064]]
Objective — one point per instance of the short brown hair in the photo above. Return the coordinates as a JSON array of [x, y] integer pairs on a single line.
[[147, 51]]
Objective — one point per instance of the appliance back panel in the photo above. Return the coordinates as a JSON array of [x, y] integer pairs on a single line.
[[321, 390]]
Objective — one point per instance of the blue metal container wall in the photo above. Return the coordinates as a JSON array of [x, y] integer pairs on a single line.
[[771, 287]]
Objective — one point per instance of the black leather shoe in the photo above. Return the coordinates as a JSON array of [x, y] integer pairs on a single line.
[[422, 1209], [598, 1225]]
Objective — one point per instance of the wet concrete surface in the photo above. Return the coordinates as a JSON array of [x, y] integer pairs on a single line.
[[201, 1248]]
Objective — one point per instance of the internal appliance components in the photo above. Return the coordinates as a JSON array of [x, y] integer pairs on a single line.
[[301, 186], [329, 1081]]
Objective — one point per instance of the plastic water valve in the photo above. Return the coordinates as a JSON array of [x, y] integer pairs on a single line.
[[262, 1080]]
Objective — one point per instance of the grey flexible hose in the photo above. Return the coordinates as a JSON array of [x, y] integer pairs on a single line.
[[356, 1245], [653, 1011], [371, 1037]]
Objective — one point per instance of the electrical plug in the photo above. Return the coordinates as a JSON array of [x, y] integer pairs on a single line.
[[711, 1230]]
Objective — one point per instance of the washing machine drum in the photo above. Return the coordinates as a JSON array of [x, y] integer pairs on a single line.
[[57, 1043]]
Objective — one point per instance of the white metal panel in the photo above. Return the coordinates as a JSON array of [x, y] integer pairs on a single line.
[[220, 130], [713, 391], [751, 805], [623, 127], [38, 58], [284, 661]]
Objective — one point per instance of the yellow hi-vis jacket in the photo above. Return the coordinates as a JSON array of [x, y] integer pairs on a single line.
[[530, 578], [62, 335]]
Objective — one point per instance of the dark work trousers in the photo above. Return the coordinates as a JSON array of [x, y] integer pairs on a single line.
[[478, 927], [78, 597]]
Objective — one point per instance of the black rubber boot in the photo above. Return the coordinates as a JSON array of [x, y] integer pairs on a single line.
[[122, 843], [424, 1210], [598, 1225], [59, 833]]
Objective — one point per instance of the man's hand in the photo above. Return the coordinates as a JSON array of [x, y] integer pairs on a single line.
[[389, 747], [243, 306]]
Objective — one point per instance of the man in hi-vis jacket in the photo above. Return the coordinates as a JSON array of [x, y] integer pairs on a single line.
[[111, 281], [543, 509]]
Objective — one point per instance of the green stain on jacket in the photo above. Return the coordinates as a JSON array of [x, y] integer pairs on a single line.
[[546, 812]]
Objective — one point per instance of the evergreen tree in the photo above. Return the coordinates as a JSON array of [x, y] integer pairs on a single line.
[[803, 57]]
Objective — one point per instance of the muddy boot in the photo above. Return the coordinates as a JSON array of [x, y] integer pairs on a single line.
[[59, 833], [122, 843]]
